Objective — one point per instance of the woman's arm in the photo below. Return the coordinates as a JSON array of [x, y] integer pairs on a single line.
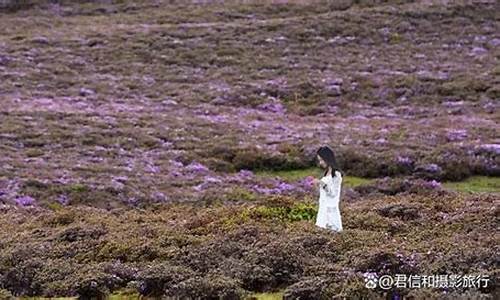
[[317, 182], [332, 187], [326, 184]]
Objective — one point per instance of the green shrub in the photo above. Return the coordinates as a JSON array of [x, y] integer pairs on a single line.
[[297, 212]]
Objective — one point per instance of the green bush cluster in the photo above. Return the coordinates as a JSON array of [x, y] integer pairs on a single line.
[[297, 212]]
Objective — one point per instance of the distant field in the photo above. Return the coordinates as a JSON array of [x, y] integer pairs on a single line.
[[162, 147]]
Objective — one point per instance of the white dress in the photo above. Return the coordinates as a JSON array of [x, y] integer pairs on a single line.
[[329, 197]]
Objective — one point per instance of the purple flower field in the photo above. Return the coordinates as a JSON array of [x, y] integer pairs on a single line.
[[135, 135]]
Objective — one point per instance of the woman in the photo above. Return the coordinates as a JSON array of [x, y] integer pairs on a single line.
[[330, 184]]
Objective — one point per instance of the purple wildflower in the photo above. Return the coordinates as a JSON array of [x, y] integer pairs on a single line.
[[212, 179], [245, 173], [122, 179], [494, 43], [200, 187], [495, 148], [262, 190], [176, 173], [196, 167], [152, 169], [283, 186], [133, 200], [478, 51], [452, 103], [433, 184], [207, 182], [307, 182], [404, 160], [177, 163], [63, 199], [456, 135], [273, 107], [216, 118], [25, 201], [280, 187], [158, 196], [433, 168]]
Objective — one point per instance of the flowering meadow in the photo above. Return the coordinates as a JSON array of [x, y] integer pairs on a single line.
[[165, 148]]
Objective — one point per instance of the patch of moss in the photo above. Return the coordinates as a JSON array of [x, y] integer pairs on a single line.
[[296, 212], [124, 295], [475, 184], [267, 296], [352, 181], [290, 175]]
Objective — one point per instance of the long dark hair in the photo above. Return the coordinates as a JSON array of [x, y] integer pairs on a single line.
[[329, 157]]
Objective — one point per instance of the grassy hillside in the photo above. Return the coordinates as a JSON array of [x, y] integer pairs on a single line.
[[163, 147]]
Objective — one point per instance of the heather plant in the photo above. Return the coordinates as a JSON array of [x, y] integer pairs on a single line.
[[167, 148]]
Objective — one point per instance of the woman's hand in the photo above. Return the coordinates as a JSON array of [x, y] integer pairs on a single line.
[[313, 180]]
